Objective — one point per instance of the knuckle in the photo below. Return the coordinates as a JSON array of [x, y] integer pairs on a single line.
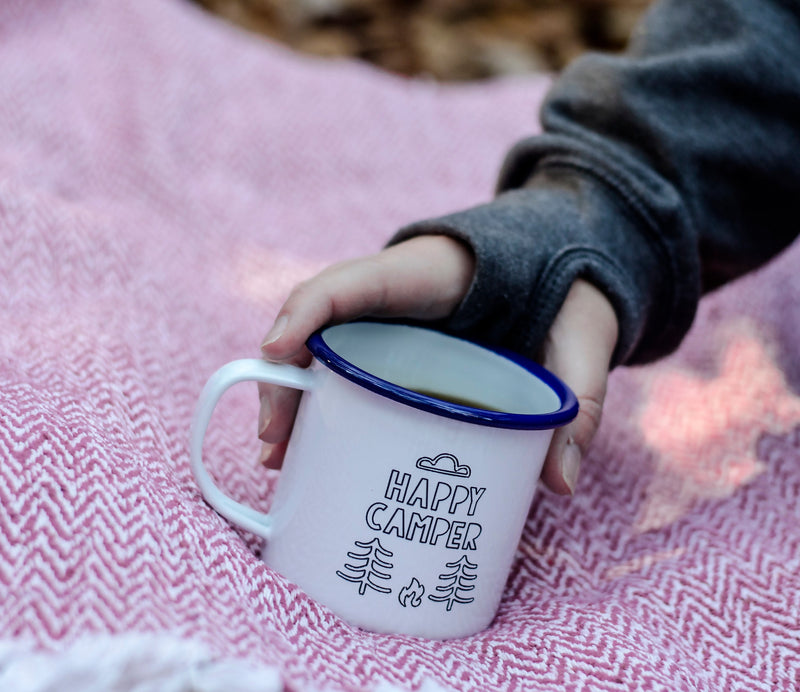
[[590, 413], [301, 291]]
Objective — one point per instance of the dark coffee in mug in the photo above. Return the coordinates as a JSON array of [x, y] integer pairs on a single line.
[[455, 399]]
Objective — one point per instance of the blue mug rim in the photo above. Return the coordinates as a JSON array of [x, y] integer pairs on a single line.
[[566, 412]]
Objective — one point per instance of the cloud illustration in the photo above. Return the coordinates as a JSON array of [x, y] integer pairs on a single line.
[[446, 464]]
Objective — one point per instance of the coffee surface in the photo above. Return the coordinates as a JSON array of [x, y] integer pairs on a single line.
[[454, 399]]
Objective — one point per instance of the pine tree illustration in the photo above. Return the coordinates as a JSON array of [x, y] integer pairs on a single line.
[[370, 564], [456, 583]]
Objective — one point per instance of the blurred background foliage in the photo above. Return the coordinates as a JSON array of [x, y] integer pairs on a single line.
[[446, 40]]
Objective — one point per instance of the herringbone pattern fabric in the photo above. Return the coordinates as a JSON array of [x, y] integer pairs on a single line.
[[164, 180]]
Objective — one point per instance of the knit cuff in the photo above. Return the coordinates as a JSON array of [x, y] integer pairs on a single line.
[[531, 244]]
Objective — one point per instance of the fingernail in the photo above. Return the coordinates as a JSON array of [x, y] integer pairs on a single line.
[[270, 456], [571, 464], [264, 415], [277, 330]]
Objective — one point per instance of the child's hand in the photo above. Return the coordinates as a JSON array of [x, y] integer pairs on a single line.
[[578, 349], [426, 278], [423, 278]]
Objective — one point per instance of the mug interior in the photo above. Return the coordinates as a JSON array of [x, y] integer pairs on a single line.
[[446, 375]]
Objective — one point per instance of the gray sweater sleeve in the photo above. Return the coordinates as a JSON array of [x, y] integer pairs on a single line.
[[661, 173]]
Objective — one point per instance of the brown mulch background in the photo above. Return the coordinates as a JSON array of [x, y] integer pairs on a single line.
[[447, 40]]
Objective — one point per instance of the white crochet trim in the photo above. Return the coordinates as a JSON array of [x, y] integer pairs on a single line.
[[138, 663], [427, 686], [130, 663]]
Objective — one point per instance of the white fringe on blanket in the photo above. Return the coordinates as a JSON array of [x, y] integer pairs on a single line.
[[130, 663], [137, 663]]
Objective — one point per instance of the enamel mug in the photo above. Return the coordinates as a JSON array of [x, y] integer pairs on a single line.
[[408, 476]]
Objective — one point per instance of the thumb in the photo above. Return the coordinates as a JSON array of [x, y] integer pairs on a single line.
[[578, 350]]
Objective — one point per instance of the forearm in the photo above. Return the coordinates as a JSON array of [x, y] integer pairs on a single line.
[[661, 173]]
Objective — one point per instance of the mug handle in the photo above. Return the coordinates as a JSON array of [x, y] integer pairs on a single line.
[[245, 370]]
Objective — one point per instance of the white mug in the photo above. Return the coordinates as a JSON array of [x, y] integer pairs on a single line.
[[399, 510]]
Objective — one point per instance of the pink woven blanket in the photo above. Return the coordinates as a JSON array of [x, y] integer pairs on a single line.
[[164, 180]]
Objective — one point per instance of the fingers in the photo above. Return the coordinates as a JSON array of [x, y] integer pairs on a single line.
[[278, 406], [579, 349], [423, 278]]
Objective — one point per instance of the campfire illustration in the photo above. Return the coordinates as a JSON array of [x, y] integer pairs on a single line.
[[411, 594], [446, 464]]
